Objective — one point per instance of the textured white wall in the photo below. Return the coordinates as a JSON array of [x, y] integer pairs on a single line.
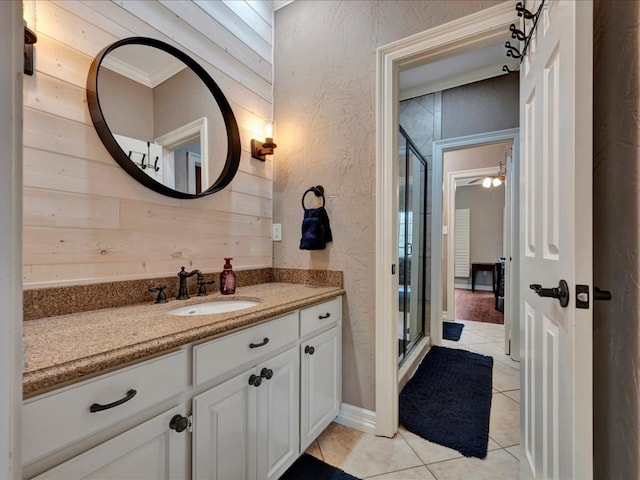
[[616, 239], [324, 57]]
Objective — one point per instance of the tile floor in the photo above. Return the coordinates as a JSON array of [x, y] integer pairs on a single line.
[[407, 456]]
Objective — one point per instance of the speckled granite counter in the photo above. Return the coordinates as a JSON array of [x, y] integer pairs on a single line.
[[69, 348]]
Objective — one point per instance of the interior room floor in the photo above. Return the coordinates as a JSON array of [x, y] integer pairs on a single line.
[[407, 456], [477, 306]]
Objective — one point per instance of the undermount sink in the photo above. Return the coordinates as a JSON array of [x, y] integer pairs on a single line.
[[209, 308]]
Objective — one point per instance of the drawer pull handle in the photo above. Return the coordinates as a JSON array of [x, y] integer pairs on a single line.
[[96, 407], [255, 380], [261, 344], [266, 373], [309, 350], [326, 315]]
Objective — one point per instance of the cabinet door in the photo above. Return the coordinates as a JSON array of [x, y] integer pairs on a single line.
[[225, 430], [278, 409], [321, 384], [149, 451]]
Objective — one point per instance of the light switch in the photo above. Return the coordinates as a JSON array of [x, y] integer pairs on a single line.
[[276, 233]]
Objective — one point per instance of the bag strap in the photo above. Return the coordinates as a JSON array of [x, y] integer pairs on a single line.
[[318, 191]]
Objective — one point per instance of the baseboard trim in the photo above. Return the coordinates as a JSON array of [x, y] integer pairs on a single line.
[[358, 418]]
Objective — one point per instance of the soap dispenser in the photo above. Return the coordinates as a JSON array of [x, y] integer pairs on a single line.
[[227, 279]]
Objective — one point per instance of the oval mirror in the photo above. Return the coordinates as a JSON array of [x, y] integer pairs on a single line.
[[163, 118]]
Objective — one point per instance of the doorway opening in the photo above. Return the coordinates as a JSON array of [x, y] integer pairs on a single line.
[[460, 36], [476, 247], [495, 223]]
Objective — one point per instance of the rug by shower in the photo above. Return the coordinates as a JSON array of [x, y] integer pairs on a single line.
[[448, 400], [452, 331]]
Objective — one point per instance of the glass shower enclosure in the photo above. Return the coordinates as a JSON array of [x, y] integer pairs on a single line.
[[413, 231]]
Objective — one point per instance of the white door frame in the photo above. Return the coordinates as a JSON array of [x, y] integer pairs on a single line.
[[11, 56], [439, 147], [188, 132], [473, 31]]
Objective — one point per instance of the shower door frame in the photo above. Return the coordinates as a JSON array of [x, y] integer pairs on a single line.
[[419, 294]]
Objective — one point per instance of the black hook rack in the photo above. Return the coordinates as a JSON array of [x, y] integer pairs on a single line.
[[155, 166], [144, 165], [521, 35]]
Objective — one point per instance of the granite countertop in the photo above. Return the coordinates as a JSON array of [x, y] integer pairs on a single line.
[[70, 348]]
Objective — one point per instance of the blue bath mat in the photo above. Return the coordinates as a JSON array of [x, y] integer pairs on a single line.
[[448, 400], [308, 467], [452, 331]]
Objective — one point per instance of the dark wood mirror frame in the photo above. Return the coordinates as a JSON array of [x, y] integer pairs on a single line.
[[102, 128]]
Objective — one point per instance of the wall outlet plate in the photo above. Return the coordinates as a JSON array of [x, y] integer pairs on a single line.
[[276, 232]]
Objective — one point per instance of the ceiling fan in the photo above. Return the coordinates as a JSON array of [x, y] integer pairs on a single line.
[[492, 180]]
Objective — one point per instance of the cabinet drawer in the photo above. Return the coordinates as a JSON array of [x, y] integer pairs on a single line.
[[320, 316], [232, 351], [56, 420]]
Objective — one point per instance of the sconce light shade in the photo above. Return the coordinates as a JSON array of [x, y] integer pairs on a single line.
[[29, 39], [260, 150]]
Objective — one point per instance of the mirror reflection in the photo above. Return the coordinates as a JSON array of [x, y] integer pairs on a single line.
[[163, 117]]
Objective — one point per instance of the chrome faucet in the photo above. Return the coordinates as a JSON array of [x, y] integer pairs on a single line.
[[182, 288]]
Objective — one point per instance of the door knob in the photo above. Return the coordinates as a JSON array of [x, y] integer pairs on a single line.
[[561, 292]]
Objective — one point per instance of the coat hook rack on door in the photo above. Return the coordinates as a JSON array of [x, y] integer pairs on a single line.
[[521, 35]]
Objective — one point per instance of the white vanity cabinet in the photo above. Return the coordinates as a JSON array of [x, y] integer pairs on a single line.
[[252, 401], [247, 427]]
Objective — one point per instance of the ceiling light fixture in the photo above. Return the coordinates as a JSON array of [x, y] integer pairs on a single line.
[[495, 180]]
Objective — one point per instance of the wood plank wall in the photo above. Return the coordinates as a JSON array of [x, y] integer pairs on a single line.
[[85, 219]]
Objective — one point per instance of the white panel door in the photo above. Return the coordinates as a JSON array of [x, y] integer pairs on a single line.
[[320, 371], [556, 243], [225, 430], [278, 420], [149, 451]]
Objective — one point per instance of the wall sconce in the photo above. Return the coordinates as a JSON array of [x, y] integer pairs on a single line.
[[29, 39], [260, 150]]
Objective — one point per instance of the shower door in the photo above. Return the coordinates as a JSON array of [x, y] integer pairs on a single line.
[[413, 231]]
